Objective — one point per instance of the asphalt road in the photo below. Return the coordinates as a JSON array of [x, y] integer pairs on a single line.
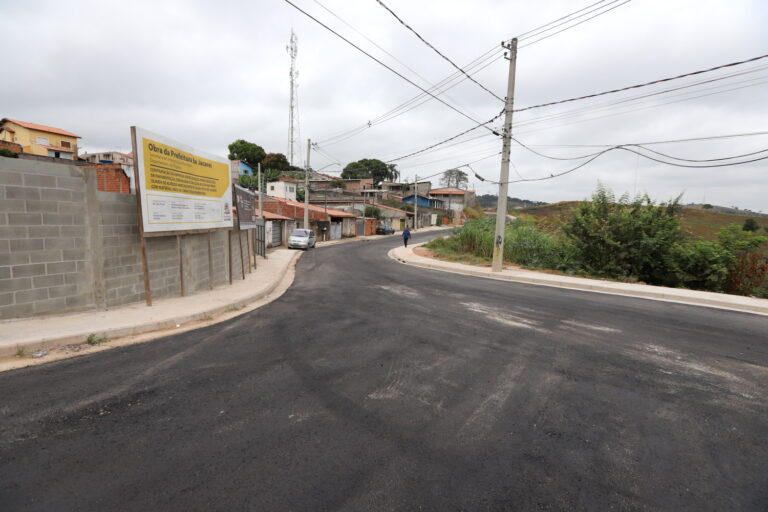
[[371, 385]]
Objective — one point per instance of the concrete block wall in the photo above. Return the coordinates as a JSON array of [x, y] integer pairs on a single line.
[[44, 242], [66, 246]]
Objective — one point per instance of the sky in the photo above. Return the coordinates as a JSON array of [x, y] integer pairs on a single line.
[[208, 73]]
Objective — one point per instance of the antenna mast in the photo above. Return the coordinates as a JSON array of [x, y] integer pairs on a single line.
[[292, 49]]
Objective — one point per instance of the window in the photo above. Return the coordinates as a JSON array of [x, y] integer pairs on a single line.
[[42, 140], [66, 144], [290, 189], [272, 188]]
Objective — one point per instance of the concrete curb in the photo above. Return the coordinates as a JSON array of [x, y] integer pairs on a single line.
[[690, 297], [210, 315]]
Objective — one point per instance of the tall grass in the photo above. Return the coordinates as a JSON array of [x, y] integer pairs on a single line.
[[523, 244]]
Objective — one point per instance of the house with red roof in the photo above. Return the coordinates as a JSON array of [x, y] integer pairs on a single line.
[[37, 139]]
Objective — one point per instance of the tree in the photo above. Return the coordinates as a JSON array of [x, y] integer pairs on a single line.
[[338, 183], [750, 225], [248, 152], [454, 178], [370, 168], [276, 161], [372, 211]]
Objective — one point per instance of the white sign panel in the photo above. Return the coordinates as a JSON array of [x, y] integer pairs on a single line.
[[181, 188]]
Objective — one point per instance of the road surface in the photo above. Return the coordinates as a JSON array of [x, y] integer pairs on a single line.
[[372, 385]]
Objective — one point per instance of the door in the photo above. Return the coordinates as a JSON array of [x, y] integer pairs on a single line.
[[335, 230], [277, 233], [259, 239]]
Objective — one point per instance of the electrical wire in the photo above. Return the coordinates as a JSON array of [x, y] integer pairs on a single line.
[[637, 86], [380, 62], [441, 87], [449, 139], [530, 32], [403, 23], [574, 25], [554, 26], [406, 66]]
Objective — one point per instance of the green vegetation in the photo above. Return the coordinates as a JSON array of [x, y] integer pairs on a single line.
[[8, 153], [248, 152], [624, 239], [370, 168], [394, 203], [454, 178], [20, 351], [373, 212], [750, 225], [93, 339]]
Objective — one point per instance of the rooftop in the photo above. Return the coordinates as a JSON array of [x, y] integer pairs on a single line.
[[40, 127]]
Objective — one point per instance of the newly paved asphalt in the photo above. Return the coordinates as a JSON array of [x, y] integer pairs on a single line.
[[371, 385]]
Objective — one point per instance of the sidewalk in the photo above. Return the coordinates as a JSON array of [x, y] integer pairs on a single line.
[[720, 300], [396, 234], [273, 274]]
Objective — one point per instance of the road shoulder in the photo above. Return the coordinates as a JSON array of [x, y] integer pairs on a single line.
[[693, 297], [63, 336]]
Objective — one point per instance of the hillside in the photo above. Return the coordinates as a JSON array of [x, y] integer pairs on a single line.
[[697, 223]]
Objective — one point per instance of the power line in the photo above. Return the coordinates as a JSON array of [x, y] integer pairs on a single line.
[[450, 138], [637, 86], [407, 106], [609, 105], [644, 108], [403, 23], [406, 66], [525, 35], [379, 62], [574, 25], [628, 147]]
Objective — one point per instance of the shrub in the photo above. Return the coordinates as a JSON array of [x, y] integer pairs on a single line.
[[626, 239], [703, 265], [8, 153]]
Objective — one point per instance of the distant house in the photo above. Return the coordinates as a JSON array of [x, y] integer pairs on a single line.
[[327, 223], [284, 188], [454, 199], [108, 157], [238, 168], [36, 139], [424, 201]]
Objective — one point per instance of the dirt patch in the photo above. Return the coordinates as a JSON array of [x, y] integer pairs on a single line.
[[423, 251]]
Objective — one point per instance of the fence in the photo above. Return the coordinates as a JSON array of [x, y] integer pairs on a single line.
[[66, 246]]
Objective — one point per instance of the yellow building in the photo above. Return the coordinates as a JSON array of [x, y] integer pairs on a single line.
[[41, 140]]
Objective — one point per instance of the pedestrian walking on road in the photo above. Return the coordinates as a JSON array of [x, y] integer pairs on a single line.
[[406, 236]]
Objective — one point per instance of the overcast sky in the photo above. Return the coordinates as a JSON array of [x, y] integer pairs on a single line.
[[207, 73]]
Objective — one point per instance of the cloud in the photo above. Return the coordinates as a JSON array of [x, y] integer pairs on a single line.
[[208, 73]]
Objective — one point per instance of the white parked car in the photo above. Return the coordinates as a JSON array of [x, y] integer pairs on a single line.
[[301, 239]]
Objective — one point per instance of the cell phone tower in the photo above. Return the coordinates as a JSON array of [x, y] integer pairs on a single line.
[[292, 48]]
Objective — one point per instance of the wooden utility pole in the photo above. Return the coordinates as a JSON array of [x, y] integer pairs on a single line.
[[501, 205]]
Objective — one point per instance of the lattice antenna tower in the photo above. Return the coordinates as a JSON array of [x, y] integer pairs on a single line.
[[292, 48]]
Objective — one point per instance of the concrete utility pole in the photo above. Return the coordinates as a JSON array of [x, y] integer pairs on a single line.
[[416, 202], [306, 187], [501, 206], [261, 192]]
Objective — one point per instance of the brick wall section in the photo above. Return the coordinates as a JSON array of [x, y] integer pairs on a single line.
[[16, 148], [111, 178], [66, 246]]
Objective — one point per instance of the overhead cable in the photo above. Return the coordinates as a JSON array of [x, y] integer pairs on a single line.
[[525, 45], [450, 138], [379, 62], [637, 86], [403, 23]]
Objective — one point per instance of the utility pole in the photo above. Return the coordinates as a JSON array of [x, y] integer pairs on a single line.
[[501, 205], [261, 191], [416, 202], [306, 187], [292, 49]]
